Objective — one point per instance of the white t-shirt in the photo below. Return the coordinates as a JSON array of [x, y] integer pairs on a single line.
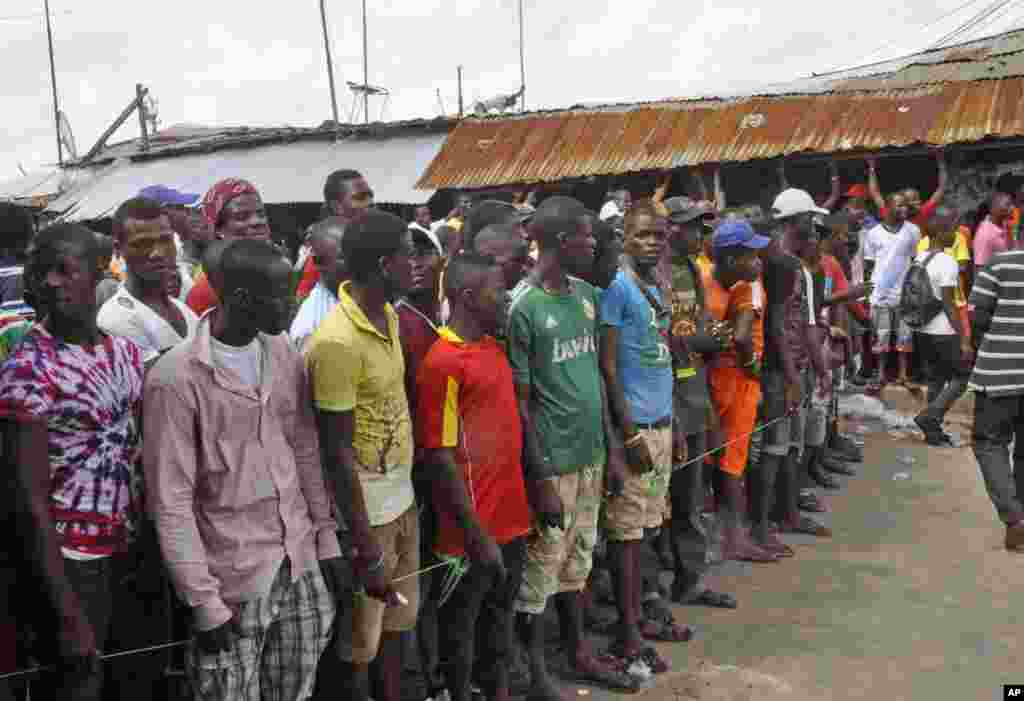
[[892, 253], [943, 271], [609, 209], [312, 312], [245, 362], [124, 315], [185, 270]]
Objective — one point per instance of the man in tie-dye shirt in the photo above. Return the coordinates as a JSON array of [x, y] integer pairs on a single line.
[[69, 395]]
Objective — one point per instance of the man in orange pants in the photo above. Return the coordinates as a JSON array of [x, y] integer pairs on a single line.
[[734, 294]]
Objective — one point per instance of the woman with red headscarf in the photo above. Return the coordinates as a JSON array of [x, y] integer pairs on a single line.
[[234, 209]]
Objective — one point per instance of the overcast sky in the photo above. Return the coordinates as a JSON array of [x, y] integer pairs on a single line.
[[259, 64]]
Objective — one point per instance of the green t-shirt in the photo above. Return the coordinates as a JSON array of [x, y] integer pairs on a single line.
[[552, 347]]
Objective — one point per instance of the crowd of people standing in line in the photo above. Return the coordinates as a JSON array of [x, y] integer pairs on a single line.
[[444, 426]]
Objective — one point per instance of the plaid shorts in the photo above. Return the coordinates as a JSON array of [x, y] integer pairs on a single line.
[[278, 642]]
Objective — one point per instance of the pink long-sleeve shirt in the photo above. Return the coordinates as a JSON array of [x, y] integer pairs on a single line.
[[233, 474], [989, 240]]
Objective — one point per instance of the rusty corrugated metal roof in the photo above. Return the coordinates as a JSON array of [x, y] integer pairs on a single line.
[[953, 95]]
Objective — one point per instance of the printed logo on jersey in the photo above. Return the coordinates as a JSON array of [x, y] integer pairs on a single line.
[[588, 309], [573, 348]]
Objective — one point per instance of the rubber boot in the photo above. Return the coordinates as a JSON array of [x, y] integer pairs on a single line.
[[761, 531], [737, 544]]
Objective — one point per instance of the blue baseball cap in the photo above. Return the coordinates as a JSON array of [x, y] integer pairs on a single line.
[[168, 196], [738, 232]]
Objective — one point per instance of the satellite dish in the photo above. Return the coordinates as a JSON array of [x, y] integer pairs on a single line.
[[67, 137], [368, 89], [499, 103]]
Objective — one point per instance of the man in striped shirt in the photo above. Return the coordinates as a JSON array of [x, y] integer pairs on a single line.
[[998, 380]]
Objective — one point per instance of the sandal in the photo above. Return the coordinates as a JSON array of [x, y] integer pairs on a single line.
[[656, 610], [600, 624], [650, 657], [662, 632], [809, 501], [707, 597]]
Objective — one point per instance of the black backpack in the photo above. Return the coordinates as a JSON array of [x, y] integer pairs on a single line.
[[918, 302]]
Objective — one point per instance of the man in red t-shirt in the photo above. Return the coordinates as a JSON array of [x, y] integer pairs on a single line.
[[467, 422], [917, 213]]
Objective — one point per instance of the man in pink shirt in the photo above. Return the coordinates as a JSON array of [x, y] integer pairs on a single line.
[[991, 237], [236, 490]]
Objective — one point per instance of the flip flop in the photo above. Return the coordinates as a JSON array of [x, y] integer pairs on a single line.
[[808, 526], [778, 548], [613, 677], [707, 597], [914, 390], [648, 655]]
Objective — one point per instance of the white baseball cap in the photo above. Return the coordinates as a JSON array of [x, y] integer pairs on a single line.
[[416, 229], [791, 202]]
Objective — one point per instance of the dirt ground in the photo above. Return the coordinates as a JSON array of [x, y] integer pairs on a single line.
[[912, 598]]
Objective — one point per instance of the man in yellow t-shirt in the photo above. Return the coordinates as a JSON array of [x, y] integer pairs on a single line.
[[357, 372]]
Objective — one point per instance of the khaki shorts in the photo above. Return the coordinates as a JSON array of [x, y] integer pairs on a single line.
[[642, 502], [559, 559], [400, 541]]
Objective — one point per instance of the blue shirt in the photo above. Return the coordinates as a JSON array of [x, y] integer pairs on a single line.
[[644, 360]]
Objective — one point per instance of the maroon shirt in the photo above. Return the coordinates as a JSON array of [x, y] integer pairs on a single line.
[[417, 334]]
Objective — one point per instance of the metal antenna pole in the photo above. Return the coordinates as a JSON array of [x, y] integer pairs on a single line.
[[366, 72], [460, 91], [330, 65], [522, 62], [53, 84], [140, 94]]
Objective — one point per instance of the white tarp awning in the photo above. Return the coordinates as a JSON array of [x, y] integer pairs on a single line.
[[283, 173], [36, 184]]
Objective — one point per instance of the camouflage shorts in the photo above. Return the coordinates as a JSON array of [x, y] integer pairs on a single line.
[[559, 559]]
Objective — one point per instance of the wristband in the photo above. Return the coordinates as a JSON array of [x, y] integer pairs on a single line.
[[373, 567]]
